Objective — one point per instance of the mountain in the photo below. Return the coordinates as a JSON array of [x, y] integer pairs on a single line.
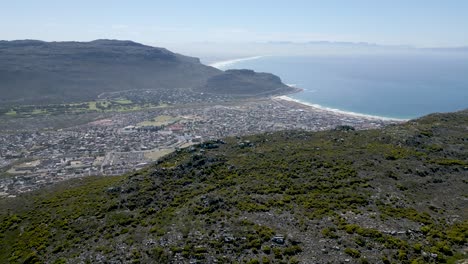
[[245, 82], [38, 72], [396, 195], [462, 49]]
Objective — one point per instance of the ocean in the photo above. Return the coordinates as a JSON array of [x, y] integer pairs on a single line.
[[393, 86]]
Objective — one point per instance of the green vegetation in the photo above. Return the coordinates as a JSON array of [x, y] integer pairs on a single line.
[[53, 211], [118, 105], [373, 196], [162, 120], [11, 112], [353, 252]]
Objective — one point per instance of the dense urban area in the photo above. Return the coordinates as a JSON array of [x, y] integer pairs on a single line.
[[119, 142]]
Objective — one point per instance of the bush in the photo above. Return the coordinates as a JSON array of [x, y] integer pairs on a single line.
[[278, 253], [292, 250], [360, 241], [350, 229], [256, 243], [402, 255], [369, 232], [329, 232], [159, 254], [293, 260], [266, 249], [353, 252], [417, 247], [364, 261]]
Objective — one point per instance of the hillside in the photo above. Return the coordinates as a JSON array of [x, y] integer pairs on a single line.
[[38, 72], [245, 83], [396, 195]]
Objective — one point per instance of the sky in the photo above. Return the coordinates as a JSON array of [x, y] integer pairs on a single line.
[[420, 23]]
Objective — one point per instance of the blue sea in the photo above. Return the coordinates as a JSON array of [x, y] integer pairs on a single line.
[[395, 86]]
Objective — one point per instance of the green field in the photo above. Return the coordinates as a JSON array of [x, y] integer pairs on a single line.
[[118, 105], [155, 155], [123, 101], [162, 120], [11, 112]]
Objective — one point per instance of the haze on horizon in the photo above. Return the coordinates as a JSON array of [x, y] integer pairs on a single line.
[[217, 29]]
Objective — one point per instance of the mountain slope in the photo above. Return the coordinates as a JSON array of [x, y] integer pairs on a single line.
[[37, 72], [54, 72], [245, 82], [396, 195]]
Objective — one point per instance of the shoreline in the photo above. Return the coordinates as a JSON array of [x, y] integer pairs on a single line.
[[221, 64], [338, 111]]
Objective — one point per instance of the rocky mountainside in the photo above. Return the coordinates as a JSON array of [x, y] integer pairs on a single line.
[[396, 195], [38, 72]]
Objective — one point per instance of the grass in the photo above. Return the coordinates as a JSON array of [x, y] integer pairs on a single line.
[[11, 113], [92, 106], [123, 101], [39, 112], [155, 155], [119, 105], [162, 120]]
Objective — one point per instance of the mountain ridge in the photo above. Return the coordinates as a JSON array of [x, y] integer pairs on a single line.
[[38, 72]]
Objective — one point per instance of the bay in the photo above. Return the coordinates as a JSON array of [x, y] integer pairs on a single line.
[[392, 85]]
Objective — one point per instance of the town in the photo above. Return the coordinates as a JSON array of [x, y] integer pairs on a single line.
[[126, 141]]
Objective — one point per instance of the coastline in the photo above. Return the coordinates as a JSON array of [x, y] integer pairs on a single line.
[[222, 64], [338, 111]]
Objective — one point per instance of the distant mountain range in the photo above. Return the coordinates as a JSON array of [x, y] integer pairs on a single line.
[[367, 44], [452, 49], [38, 72]]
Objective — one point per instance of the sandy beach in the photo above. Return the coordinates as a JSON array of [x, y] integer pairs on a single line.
[[223, 64], [320, 108]]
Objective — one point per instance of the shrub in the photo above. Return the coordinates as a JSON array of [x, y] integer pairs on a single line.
[[266, 249], [353, 252], [350, 229], [417, 247], [402, 255], [360, 241], [292, 250], [293, 260], [159, 254], [329, 232], [278, 253]]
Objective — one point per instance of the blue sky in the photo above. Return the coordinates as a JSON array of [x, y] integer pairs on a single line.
[[396, 22]]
